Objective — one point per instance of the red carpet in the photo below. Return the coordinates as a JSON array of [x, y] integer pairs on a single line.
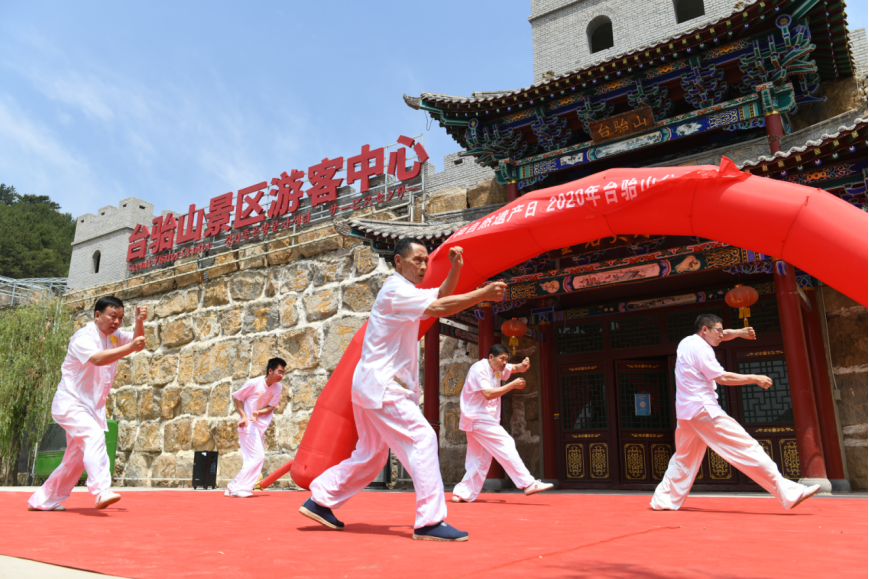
[[204, 534]]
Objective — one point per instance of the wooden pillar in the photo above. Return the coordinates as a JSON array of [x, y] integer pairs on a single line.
[[800, 377], [823, 393], [547, 404], [774, 131], [486, 341], [512, 191], [431, 407]]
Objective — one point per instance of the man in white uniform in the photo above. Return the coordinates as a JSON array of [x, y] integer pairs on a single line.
[[481, 420], [385, 395], [79, 405], [255, 402], [703, 423]]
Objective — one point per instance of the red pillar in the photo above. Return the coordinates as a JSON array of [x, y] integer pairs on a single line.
[[431, 407], [774, 131], [486, 341], [823, 392], [512, 191], [547, 404], [799, 376]]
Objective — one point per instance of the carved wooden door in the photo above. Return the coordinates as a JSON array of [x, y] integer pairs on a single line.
[[584, 423], [645, 420]]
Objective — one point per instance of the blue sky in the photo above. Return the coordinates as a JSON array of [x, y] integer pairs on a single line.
[[179, 102]]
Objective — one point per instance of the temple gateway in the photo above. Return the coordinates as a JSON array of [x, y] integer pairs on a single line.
[[778, 87]]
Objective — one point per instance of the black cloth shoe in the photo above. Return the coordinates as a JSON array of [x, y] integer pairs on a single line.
[[439, 532], [320, 514]]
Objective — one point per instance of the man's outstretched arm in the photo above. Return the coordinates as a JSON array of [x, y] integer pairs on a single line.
[[449, 305], [745, 333]]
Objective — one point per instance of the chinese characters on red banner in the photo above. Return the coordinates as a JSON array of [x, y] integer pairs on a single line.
[[244, 217]]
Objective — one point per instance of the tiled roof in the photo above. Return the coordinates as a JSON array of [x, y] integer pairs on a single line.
[[715, 30], [393, 231], [842, 133]]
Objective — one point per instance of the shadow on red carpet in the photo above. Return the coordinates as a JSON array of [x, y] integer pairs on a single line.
[[204, 534]]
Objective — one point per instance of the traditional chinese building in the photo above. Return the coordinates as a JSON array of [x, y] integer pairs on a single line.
[[772, 85]]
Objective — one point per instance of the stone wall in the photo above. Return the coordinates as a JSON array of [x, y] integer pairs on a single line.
[[206, 338], [559, 29], [213, 325], [847, 328]]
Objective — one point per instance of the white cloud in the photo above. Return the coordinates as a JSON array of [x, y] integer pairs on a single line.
[[33, 159], [159, 141]]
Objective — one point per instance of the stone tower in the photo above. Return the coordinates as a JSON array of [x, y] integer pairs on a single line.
[[99, 249], [572, 34]]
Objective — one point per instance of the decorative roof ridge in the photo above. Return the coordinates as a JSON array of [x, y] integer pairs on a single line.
[[395, 230], [809, 144], [740, 6]]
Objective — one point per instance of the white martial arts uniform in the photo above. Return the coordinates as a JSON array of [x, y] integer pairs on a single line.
[[255, 395], [703, 423], [481, 420], [79, 406], [385, 398]]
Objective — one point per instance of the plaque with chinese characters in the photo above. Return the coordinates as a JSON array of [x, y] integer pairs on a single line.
[[622, 125]]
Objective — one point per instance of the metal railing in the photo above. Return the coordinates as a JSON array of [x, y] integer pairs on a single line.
[[15, 292]]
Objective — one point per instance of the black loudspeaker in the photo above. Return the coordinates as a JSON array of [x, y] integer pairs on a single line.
[[205, 469]]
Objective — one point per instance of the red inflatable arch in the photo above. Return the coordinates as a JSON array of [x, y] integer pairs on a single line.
[[810, 228]]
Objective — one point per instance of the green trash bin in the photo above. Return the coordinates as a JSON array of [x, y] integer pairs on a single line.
[[53, 445]]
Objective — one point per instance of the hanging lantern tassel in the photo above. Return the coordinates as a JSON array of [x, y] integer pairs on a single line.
[[742, 298], [514, 341]]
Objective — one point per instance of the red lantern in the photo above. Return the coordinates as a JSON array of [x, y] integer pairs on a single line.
[[513, 328], [742, 297]]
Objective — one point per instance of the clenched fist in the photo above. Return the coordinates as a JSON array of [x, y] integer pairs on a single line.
[[494, 292], [455, 256], [141, 313], [138, 344]]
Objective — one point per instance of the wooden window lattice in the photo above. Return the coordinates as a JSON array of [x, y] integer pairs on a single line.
[[764, 318], [681, 324], [770, 406], [579, 339], [635, 332], [583, 402], [652, 383]]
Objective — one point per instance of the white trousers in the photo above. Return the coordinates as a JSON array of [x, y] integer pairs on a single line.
[[489, 439], [85, 449], [253, 454], [726, 437], [398, 425]]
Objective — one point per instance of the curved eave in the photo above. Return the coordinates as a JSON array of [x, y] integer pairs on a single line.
[[844, 137], [713, 32]]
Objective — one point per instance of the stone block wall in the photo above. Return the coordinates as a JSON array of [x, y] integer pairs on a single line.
[[847, 329], [210, 330], [205, 338], [559, 29]]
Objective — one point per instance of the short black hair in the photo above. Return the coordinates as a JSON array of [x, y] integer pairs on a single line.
[[274, 364], [107, 302], [498, 349], [707, 320], [403, 246]]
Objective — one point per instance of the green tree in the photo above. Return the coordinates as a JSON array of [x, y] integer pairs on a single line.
[[33, 343], [35, 236]]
